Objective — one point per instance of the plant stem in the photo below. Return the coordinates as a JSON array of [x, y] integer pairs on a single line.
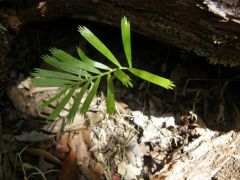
[[100, 75]]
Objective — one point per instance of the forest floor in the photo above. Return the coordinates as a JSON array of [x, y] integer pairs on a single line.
[[191, 132]]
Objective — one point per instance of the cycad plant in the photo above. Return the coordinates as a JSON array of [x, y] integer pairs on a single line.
[[76, 76]]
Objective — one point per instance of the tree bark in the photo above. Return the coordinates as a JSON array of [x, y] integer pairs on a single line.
[[204, 158], [209, 28]]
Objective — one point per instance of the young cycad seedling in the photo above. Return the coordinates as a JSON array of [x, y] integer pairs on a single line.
[[86, 73]]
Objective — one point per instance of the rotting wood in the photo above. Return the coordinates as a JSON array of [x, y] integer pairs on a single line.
[[204, 157]]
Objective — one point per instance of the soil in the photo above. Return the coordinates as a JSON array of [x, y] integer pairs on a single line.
[[208, 92]]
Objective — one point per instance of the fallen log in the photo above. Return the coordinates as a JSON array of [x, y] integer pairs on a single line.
[[204, 158], [209, 28]]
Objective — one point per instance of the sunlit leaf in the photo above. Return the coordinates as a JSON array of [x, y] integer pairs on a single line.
[[90, 96], [50, 82], [64, 66], [160, 81], [95, 42], [77, 102], [73, 72], [110, 96], [62, 104], [67, 58], [90, 61], [54, 74], [126, 38], [52, 99], [123, 77]]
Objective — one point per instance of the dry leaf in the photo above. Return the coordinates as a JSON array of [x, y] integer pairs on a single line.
[[61, 149], [69, 169]]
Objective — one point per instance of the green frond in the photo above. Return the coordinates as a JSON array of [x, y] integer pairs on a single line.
[[77, 102], [90, 96], [90, 61], [160, 81], [95, 42], [62, 104], [51, 82], [74, 72], [123, 77], [68, 59], [126, 39], [54, 74], [110, 96], [64, 66], [52, 99]]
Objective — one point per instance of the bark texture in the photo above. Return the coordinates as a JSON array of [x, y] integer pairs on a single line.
[[205, 158], [210, 28]]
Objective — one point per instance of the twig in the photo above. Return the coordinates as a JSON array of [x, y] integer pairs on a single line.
[[46, 155], [45, 172]]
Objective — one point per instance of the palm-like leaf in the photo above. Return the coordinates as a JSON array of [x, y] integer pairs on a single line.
[[62, 104], [90, 96], [74, 72], [160, 81], [55, 74], [126, 38], [52, 99], [51, 82], [64, 66], [67, 58], [77, 102], [90, 61], [123, 77], [95, 42], [110, 95]]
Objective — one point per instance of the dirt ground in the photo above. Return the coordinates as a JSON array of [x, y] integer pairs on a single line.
[[188, 133]]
